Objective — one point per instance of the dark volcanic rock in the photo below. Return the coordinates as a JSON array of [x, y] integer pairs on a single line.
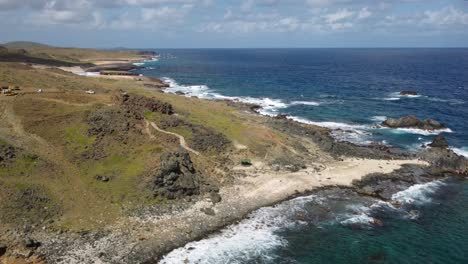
[[408, 92], [445, 161], [107, 121], [102, 178], [139, 104], [176, 177], [7, 154], [384, 186], [413, 122], [439, 142], [31, 243], [3, 250]]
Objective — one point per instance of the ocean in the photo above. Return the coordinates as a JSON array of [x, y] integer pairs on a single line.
[[350, 91]]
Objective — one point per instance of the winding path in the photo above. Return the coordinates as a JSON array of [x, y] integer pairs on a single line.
[[183, 143]]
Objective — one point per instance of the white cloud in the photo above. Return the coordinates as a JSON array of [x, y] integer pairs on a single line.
[[448, 16], [364, 13], [338, 16]]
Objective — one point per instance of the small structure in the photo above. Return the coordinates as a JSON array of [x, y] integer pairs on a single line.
[[90, 92], [118, 73], [39, 91]]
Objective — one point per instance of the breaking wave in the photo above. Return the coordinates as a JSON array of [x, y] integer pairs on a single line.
[[461, 151], [256, 238], [253, 238], [418, 194]]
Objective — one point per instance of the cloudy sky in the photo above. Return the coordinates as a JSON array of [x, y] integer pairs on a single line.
[[241, 23]]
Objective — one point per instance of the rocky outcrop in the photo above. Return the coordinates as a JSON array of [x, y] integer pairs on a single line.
[[176, 178], [138, 104], [408, 92], [7, 154], [413, 122], [383, 186], [108, 121], [439, 142], [445, 162]]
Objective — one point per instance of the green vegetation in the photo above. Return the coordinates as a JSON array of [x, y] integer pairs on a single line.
[[53, 125], [246, 162], [77, 139]]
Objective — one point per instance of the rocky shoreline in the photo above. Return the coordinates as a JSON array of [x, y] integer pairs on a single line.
[[201, 209]]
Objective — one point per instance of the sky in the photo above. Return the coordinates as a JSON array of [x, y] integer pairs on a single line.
[[236, 24]]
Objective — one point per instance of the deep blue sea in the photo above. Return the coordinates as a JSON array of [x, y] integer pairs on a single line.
[[350, 91]]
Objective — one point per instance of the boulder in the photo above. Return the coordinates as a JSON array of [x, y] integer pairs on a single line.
[[31, 243], [176, 178], [102, 178], [3, 250], [408, 92], [439, 142], [413, 122], [208, 211]]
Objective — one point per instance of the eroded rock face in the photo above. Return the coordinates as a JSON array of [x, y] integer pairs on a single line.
[[413, 122], [138, 105], [176, 177]]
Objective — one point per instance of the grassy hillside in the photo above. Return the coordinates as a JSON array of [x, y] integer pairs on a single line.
[[64, 140], [45, 54]]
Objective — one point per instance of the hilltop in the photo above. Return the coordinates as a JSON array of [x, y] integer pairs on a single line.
[[130, 172]]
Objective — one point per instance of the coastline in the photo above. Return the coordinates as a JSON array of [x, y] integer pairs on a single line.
[[149, 234]]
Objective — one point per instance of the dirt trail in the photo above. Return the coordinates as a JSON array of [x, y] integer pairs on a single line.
[[183, 143]]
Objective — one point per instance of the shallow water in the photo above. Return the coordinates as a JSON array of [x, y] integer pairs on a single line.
[[351, 89], [339, 226]]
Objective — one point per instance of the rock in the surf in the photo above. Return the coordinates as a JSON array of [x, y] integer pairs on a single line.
[[413, 122], [408, 92]]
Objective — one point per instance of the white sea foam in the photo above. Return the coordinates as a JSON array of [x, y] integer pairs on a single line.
[[254, 237], [418, 194], [391, 99], [269, 106], [353, 133], [378, 118], [419, 131], [311, 103], [461, 151]]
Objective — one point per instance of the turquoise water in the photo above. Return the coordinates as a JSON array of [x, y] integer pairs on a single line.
[[438, 235], [350, 91], [337, 226]]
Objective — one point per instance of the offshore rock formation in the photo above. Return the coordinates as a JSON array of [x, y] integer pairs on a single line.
[[413, 122], [408, 92]]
